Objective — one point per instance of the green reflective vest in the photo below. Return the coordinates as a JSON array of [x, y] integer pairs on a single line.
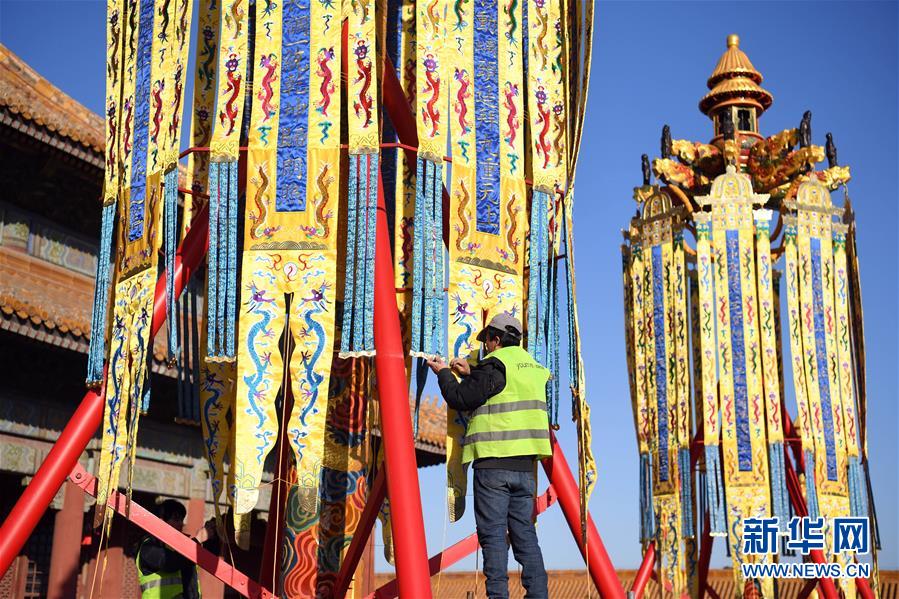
[[159, 585], [514, 421]]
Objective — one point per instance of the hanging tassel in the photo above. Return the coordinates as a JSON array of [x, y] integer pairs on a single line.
[[538, 285], [553, 336], [428, 269], [811, 493], [858, 489], [212, 288], [221, 294], [686, 491], [180, 370], [780, 501], [647, 524], [352, 225], [221, 307], [170, 216], [357, 337], [97, 352], [437, 297], [229, 349], [714, 491], [421, 376], [195, 348]]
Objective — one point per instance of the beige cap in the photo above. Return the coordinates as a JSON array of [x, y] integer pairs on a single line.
[[502, 322]]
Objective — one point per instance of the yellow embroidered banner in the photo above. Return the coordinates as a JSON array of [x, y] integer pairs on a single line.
[[138, 244], [739, 362], [111, 189], [814, 255], [487, 199], [635, 331], [290, 244], [203, 108], [657, 228], [707, 383]]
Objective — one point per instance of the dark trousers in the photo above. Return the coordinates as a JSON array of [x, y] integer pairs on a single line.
[[504, 500]]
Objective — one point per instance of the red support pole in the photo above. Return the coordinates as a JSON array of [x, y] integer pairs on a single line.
[[396, 423], [24, 516], [364, 528], [598, 563], [705, 555], [645, 571]]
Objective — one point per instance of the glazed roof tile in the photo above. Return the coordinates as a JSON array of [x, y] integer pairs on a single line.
[[23, 91]]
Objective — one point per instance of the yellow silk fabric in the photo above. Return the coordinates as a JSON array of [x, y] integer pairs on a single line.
[[747, 491], [814, 220], [231, 85], [203, 107], [362, 77], [289, 259]]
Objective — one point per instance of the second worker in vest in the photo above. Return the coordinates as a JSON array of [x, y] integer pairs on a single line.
[[507, 432]]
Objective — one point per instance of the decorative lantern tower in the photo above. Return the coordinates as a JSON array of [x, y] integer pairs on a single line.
[[703, 328]]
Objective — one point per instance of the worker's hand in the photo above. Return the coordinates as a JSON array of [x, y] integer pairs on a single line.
[[460, 366], [436, 363]]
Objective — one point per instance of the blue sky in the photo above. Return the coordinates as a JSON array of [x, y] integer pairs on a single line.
[[650, 64]]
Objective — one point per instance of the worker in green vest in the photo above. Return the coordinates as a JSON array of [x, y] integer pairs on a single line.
[[504, 397], [162, 572]]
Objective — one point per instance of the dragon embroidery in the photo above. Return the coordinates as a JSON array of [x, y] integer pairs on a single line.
[[462, 212], [408, 246], [259, 230], [164, 27], [158, 86], [509, 94], [543, 146], [512, 23], [430, 113], [363, 67], [559, 127], [460, 15], [129, 119], [540, 49], [434, 17], [207, 72], [234, 19], [322, 198], [327, 87], [270, 64], [115, 31], [229, 114], [175, 123], [463, 94], [110, 142], [512, 211]]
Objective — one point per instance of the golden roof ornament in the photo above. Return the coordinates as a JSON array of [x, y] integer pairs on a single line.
[[735, 81]]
